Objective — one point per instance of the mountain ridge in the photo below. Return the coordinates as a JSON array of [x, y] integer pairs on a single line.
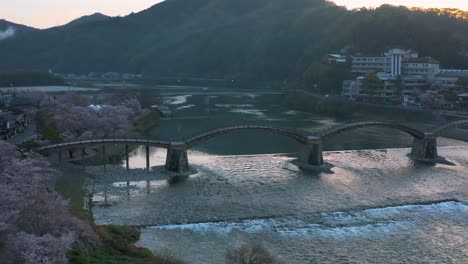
[[10, 30], [5, 23], [87, 19], [255, 39]]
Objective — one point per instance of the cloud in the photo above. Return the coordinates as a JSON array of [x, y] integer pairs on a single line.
[[8, 33]]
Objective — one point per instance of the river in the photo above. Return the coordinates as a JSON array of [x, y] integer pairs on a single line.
[[374, 206]]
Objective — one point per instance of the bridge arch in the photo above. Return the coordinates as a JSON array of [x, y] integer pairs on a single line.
[[298, 136], [170, 146], [438, 131], [345, 128]]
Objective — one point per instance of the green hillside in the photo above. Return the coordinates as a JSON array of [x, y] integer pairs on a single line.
[[261, 40]]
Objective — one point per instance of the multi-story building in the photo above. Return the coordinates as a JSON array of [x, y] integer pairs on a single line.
[[428, 67], [391, 62], [448, 79], [368, 64], [403, 74]]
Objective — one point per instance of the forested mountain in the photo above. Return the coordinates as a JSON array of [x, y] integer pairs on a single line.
[[9, 29], [244, 39], [87, 19], [4, 24]]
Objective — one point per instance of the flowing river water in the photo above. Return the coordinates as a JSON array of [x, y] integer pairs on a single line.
[[374, 206]]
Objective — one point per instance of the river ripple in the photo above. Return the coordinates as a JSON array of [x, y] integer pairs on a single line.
[[434, 233], [265, 198]]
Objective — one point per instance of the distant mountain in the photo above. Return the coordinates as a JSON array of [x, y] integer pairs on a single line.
[[87, 19], [258, 40], [4, 24], [9, 29]]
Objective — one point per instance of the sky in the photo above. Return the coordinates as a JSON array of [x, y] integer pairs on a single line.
[[49, 13]]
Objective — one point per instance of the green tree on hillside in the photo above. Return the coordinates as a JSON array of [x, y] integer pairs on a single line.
[[328, 79], [372, 84], [399, 87]]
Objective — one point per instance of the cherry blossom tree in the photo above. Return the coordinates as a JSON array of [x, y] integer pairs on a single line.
[[34, 218], [35, 249], [75, 120]]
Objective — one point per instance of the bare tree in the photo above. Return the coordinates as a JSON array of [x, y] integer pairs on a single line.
[[250, 254]]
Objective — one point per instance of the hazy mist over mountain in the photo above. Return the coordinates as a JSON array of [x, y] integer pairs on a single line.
[[9, 29]]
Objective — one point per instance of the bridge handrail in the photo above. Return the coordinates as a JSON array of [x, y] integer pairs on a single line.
[[164, 144], [297, 135], [445, 127], [206, 131], [351, 126]]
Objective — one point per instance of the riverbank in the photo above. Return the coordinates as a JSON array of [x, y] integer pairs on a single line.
[[117, 243], [451, 114], [347, 110], [342, 108]]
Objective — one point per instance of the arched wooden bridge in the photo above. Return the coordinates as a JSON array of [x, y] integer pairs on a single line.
[[296, 135], [438, 131], [310, 155], [415, 133]]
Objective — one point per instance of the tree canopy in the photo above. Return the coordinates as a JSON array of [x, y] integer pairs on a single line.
[[372, 83]]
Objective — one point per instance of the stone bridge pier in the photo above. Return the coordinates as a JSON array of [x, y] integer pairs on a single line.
[[310, 154], [425, 149], [177, 158]]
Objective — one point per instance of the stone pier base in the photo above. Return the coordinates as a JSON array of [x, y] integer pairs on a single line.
[[311, 156], [177, 159], [425, 149]]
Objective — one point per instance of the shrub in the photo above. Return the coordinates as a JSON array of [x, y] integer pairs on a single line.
[[250, 254], [30, 145]]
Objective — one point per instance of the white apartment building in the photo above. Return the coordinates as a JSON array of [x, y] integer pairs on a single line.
[[404, 74], [427, 67], [396, 65], [391, 62], [369, 64]]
